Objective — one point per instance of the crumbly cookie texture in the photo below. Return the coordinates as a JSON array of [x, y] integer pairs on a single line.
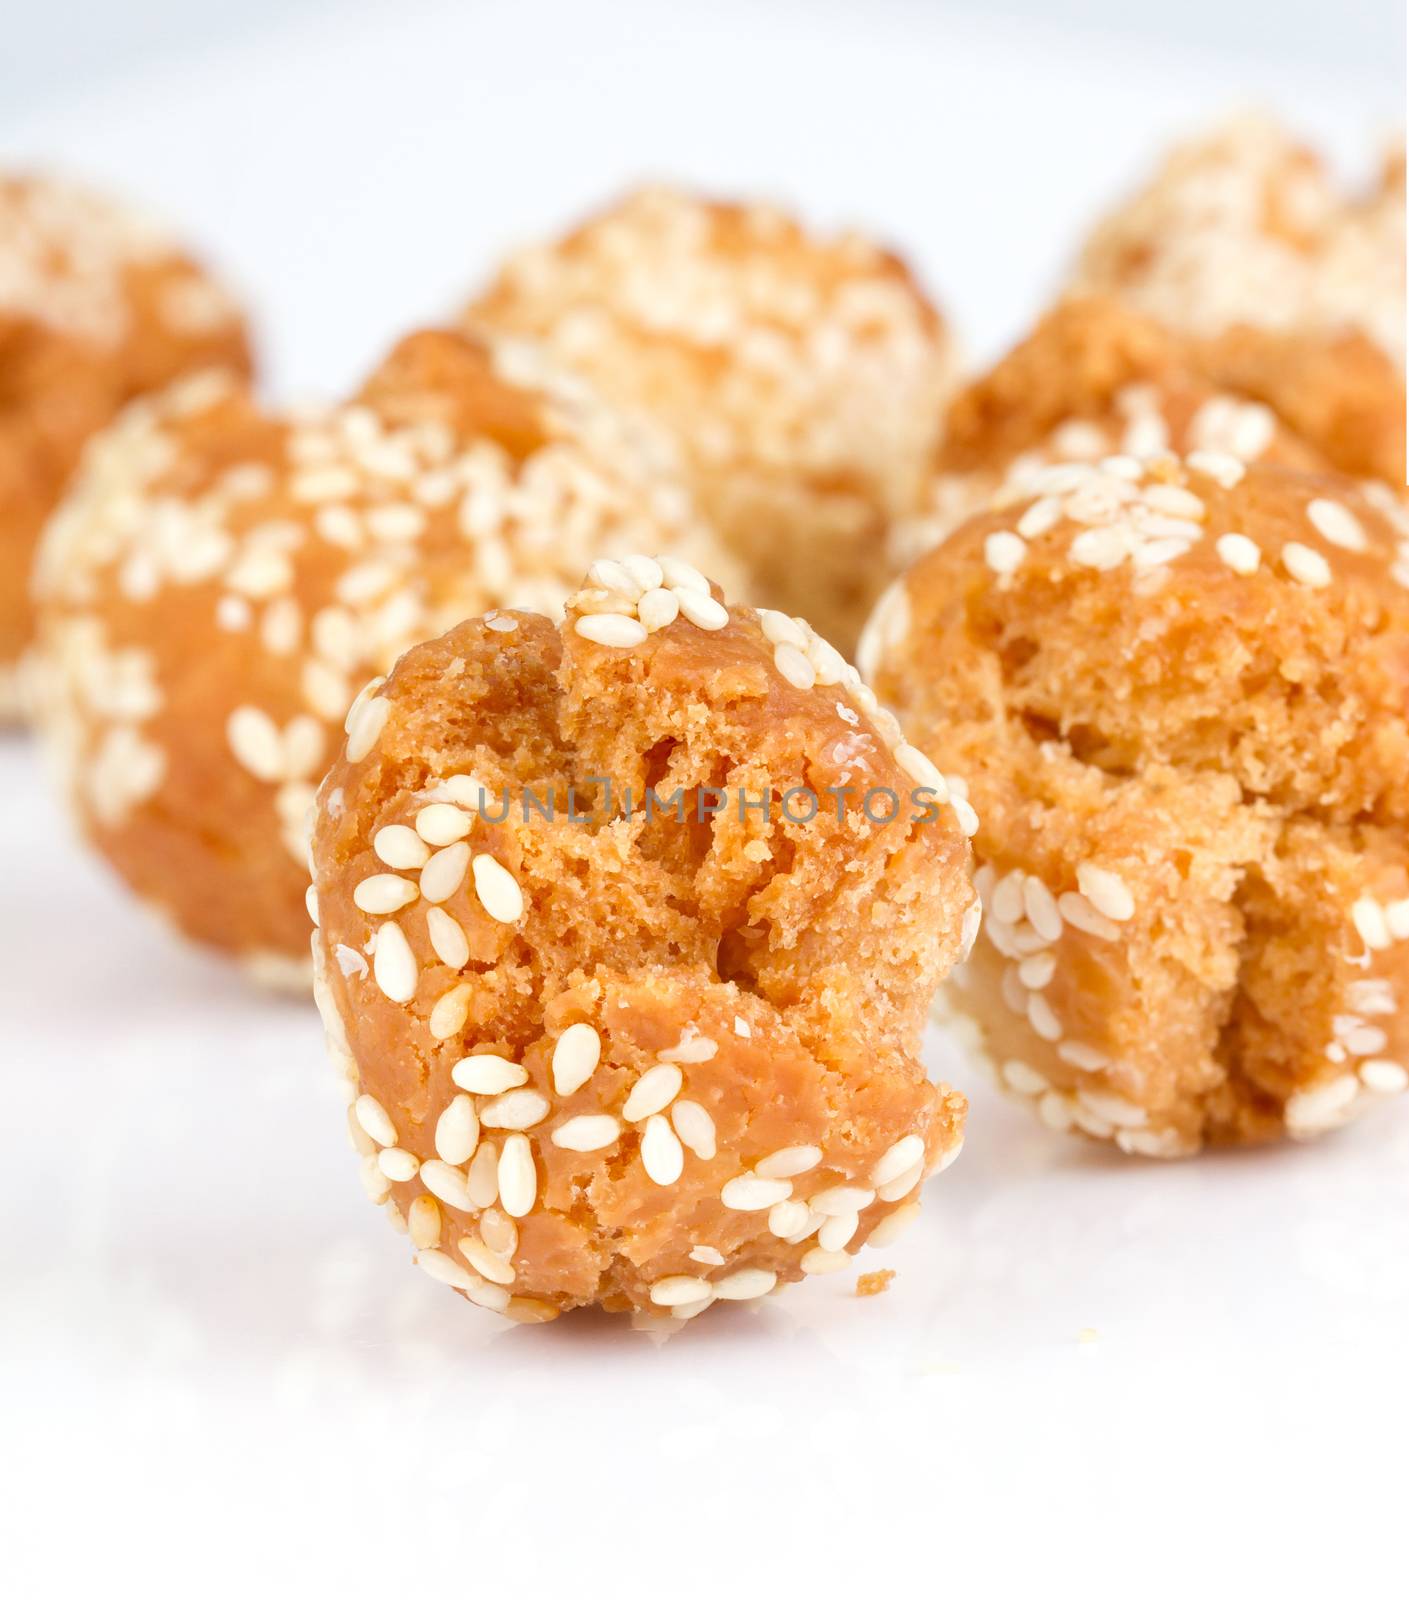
[[645, 1056], [1179, 692], [1097, 378], [804, 377], [221, 582], [1243, 226], [96, 306]]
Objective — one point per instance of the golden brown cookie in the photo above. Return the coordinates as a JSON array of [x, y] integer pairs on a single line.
[[96, 306], [624, 958], [1179, 692], [222, 582], [804, 377]]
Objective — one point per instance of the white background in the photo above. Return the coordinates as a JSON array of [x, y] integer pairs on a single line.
[[217, 1368]]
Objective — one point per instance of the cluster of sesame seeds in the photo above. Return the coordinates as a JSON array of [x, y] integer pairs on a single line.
[[65, 257]]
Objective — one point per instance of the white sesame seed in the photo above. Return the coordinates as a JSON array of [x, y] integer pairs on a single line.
[[893, 1224], [1371, 923], [1039, 517], [1112, 1108], [1397, 919], [447, 1184], [1107, 891], [1003, 553], [441, 823], [517, 1108], [841, 1199], [818, 1261], [964, 813], [1041, 1017], [1022, 1079], [1315, 1110], [917, 765], [749, 1283], [1238, 552], [1040, 906], [750, 1193], [483, 1183], [399, 1165], [457, 1131], [497, 889], [657, 609], [255, 741], [691, 1046], [680, 574], [1078, 911], [1083, 1056], [447, 938], [487, 1074], [1306, 565], [779, 628], [702, 609], [383, 893], [837, 1232], [398, 846], [575, 1057], [1101, 549], [449, 1012], [695, 1127], [1337, 524], [445, 1269], [1036, 972], [394, 964], [615, 576], [706, 1255], [1384, 1077], [499, 1233], [423, 1222], [518, 1178], [1365, 1040], [372, 1118], [791, 1162], [443, 874], [901, 1156], [484, 1260], [899, 1187], [365, 726], [605, 628], [1225, 470], [786, 1217], [585, 1133], [661, 1153], [653, 1091], [374, 1181], [680, 1291], [794, 666], [310, 902]]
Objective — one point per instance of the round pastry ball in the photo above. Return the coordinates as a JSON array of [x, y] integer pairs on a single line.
[[1179, 693], [1245, 226], [1095, 378], [804, 377], [626, 933], [222, 582], [96, 306]]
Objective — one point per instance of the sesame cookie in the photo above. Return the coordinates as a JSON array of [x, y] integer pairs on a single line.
[[1179, 691], [96, 306], [624, 960], [803, 376], [1243, 226], [1095, 378], [221, 582]]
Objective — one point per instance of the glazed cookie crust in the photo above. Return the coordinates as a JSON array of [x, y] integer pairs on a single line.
[[96, 306], [804, 377], [222, 581], [639, 1057], [1178, 691]]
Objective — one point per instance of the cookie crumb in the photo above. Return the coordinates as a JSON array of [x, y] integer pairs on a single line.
[[870, 1283]]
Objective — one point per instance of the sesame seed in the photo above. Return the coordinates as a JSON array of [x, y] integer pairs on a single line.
[[443, 874], [818, 1261], [1040, 906], [447, 1184], [657, 609], [1306, 565], [691, 1046], [1371, 923], [779, 628], [749, 1283], [964, 813], [706, 1255], [1004, 553], [1112, 1108], [1337, 525], [917, 765], [791, 1162], [702, 609], [1238, 552], [653, 1091], [457, 1131], [1041, 1017], [1101, 549], [399, 846], [310, 903], [1315, 1110], [837, 1232], [1384, 1077], [794, 666], [615, 576], [1365, 1040], [680, 574], [786, 1217], [518, 1108], [585, 1133], [399, 1165], [372, 1118], [1036, 972], [1107, 891], [661, 1153], [445, 1269], [518, 1178], [695, 1127], [680, 1291], [1041, 516], [441, 823], [374, 1181], [1021, 1078], [423, 1222], [901, 1156], [383, 893], [497, 889], [449, 1012], [891, 1226], [499, 1233], [899, 1187], [484, 1260], [606, 628], [255, 741], [447, 938], [841, 1199], [1078, 911], [1225, 470], [575, 1057], [365, 724], [394, 965], [502, 624], [487, 1074], [750, 1193], [483, 1183]]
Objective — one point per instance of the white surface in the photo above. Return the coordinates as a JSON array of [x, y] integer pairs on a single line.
[[218, 1368]]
